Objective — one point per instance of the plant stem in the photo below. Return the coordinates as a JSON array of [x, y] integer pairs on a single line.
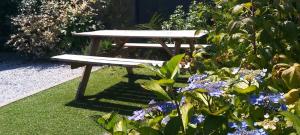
[[177, 107], [253, 28]]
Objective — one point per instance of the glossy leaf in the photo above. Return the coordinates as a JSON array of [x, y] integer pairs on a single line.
[[121, 126], [170, 69], [293, 118], [154, 69], [292, 96], [119, 133], [148, 131], [156, 89], [173, 126], [291, 76], [186, 112], [246, 90], [166, 82]]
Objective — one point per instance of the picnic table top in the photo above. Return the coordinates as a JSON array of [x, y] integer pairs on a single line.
[[144, 33]]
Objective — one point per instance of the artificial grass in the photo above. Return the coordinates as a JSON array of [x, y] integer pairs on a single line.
[[54, 111]]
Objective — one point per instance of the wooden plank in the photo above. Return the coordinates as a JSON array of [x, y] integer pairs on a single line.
[[153, 45], [104, 60], [144, 33], [87, 71]]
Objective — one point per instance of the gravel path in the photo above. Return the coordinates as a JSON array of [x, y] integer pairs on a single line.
[[20, 78]]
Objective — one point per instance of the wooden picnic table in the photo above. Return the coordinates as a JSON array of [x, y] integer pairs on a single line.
[[122, 36]]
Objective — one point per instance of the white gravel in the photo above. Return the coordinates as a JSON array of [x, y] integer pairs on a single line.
[[21, 78]]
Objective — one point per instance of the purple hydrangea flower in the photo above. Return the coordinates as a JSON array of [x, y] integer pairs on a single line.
[[248, 132], [138, 115], [259, 77], [198, 82], [197, 119], [233, 125], [241, 129], [166, 107], [213, 88], [197, 77], [270, 101]]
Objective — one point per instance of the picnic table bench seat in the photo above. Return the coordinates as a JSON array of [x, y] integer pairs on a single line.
[[153, 45], [95, 60]]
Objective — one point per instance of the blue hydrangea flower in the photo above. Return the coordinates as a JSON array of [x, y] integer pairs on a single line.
[[269, 101], [166, 107], [241, 129], [259, 77], [249, 132], [138, 115], [198, 82], [197, 77], [197, 119]]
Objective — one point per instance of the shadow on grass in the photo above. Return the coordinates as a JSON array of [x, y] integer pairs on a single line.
[[123, 97]]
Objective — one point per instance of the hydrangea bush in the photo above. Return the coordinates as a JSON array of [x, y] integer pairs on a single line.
[[229, 101], [246, 83]]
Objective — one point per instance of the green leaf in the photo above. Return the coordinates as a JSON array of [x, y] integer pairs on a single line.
[[113, 120], [148, 131], [293, 118], [120, 133], [166, 82], [170, 69], [290, 30], [297, 108], [108, 121], [173, 126], [154, 69], [291, 76], [222, 110], [292, 96], [154, 121], [121, 126], [247, 5], [214, 125], [186, 114], [156, 89], [246, 90]]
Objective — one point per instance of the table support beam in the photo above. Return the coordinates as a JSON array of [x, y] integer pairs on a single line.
[[177, 46], [87, 71], [192, 47], [164, 45]]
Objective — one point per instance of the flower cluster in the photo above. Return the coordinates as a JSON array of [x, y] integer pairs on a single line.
[[269, 101], [200, 82], [163, 107], [267, 123], [251, 75], [197, 119], [242, 129]]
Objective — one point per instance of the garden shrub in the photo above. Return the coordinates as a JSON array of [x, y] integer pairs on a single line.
[[44, 27], [250, 83]]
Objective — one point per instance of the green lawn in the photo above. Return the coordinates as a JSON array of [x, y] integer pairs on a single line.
[[54, 111]]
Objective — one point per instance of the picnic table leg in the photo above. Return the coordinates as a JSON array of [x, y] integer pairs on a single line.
[[192, 47], [130, 74], [87, 71], [177, 46]]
